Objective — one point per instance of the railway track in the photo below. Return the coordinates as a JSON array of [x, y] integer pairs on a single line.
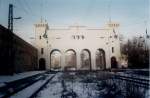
[[140, 82], [38, 90], [16, 86]]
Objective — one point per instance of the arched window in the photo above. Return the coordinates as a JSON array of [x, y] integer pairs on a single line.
[[85, 59], [70, 59], [100, 59], [55, 59]]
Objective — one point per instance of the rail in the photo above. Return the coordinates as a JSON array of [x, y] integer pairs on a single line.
[[141, 82], [15, 86], [38, 90]]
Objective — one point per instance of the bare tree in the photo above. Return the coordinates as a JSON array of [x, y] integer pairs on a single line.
[[137, 52]]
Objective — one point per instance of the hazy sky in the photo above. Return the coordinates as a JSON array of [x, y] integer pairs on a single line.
[[133, 15]]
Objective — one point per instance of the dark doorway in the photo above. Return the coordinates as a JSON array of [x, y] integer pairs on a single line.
[[42, 64], [114, 63]]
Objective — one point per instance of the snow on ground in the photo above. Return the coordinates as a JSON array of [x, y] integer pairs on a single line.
[[60, 86], [18, 76], [80, 86], [84, 90], [87, 85], [132, 75], [147, 94], [53, 89], [27, 92]]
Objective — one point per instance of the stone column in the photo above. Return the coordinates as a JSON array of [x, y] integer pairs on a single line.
[[93, 60], [78, 59], [108, 58], [62, 60]]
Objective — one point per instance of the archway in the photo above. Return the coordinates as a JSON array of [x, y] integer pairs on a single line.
[[70, 59], [55, 60], [42, 64], [100, 59], [114, 63], [85, 59]]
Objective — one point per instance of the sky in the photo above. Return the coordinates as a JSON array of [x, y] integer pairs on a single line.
[[132, 15]]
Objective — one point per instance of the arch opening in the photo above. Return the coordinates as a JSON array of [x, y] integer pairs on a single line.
[[55, 60], [70, 59], [100, 59], [85, 59]]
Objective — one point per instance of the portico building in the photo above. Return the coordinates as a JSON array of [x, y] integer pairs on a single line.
[[76, 47]]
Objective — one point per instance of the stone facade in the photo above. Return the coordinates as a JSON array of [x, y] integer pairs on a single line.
[[91, 48]]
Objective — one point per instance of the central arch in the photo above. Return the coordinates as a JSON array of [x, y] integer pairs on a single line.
[[85, 59], [70, 59], [100, 59], [55, 60]]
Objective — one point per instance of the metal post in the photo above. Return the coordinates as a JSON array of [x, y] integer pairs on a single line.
[[10, 17], [10, 27]]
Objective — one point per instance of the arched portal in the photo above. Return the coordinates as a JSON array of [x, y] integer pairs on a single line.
[[114, 63], [55, 60], [42, 64], [100, 59], [70, 59], [86, 59]]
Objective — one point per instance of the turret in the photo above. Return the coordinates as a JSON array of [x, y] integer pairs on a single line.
[[41, 35], [41, 42]]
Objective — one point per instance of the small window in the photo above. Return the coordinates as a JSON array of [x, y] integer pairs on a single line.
[[73, 36], [58, 38], [78, 36], [42, 50], [112, 49], [40, 37], [101, 37], [82, 36], [115, 36]]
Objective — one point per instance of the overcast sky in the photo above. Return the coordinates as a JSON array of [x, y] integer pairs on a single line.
[[133, 15]]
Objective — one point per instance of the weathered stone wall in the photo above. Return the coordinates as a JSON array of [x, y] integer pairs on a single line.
[[16, 54]]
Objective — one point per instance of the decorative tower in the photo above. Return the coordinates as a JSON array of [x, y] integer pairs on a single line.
[[114, 42], [41, 43]]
